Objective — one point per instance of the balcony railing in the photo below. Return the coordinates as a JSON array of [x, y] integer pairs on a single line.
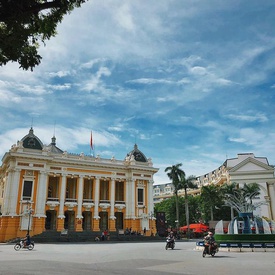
[[52, 202], [70, 200], [88, 201], [52, 199]]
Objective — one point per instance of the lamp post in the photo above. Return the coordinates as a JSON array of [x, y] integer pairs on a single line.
[[29, 211], [151, 216]]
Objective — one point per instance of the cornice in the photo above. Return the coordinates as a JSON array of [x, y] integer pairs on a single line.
[[251, 160], [77, 161]]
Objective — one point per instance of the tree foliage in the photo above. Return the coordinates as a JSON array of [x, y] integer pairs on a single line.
[[176, 174], [26, 23], [187, 183], [242, 198]]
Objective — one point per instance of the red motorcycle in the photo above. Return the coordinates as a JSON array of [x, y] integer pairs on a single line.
[[210, 248]]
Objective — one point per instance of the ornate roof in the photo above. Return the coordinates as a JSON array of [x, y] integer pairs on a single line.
[[32, 141], [137, 154], [53, 148]]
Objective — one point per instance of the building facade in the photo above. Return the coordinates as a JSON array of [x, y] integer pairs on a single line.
[[246, 168], [45, 188]]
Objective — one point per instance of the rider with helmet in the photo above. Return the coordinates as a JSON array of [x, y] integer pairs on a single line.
[[209, 240], [27, 240]]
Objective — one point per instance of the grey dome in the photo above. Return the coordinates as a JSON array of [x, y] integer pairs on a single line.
[[138, 155], [32, 141]]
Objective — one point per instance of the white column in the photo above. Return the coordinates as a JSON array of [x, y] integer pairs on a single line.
[[41, 195], [96, 216], [62, 197], [80, 198], [150, 197], [127, 199], [7, 190], [14, 192], [112, 214], [271, 189], [133, 200]]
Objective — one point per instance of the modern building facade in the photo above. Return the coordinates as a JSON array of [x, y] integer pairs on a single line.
[[246, 168], [45, 188]]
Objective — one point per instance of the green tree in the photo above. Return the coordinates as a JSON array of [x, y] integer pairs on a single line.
[[211, 199], [26, 23], [229, 189], [187, 184], [175, 174], [194, 209], [252, 190], [242, 198], [168, 206]]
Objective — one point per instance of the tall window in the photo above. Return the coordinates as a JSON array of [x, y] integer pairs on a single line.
[[140, 196], [104, 190], [88, 190], [71, 188], [53, 187], [119, 194], [27, 190]]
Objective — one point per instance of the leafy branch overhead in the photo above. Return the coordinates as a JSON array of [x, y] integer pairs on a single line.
[[26, 23]]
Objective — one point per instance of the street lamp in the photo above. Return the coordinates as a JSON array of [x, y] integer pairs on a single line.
[[29, 211], [151, 217]]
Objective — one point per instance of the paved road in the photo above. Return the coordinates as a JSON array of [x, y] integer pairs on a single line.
[[130, 258]]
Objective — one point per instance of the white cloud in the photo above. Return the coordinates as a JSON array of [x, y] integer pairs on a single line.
[[59, 74], [186, 76], [250, 118]]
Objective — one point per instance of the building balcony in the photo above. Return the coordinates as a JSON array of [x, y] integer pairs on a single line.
[[52, 202], [104, 204], [120, 205], [70, 203], [88, 204]]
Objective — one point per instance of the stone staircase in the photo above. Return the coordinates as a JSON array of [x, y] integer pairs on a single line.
[[52, 236]]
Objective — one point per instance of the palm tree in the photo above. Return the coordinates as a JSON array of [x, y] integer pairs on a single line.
[[229, 189], [186, 184], [252, 190], [210, 196], [175, 174]]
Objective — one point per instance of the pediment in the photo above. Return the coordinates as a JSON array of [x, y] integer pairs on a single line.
[[249, 165]]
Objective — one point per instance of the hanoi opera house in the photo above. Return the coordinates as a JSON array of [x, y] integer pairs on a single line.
[[44, 188]]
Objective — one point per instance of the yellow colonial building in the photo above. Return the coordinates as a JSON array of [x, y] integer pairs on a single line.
[[45, 188]]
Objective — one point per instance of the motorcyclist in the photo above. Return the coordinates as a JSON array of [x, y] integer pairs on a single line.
[[209, 240], [171, 237], [27, 240]]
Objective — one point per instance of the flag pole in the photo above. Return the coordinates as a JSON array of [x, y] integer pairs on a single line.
[[91, 143]]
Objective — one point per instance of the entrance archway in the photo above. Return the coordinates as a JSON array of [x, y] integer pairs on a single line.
[[103, 224], [69, 222], [119, 220], [87, 220], [50, 221]]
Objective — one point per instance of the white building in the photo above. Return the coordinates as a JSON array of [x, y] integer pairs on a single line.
[[246, 168]]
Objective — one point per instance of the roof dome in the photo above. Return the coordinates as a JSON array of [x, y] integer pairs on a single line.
[[138, 155], [53, 148], [32, 141]]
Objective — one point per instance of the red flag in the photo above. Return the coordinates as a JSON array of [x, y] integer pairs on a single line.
[[91, 141]]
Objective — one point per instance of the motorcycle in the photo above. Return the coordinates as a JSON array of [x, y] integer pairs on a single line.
[[170, 243], [21, 244], [210, 249]]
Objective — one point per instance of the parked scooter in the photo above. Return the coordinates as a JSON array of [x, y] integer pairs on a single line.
[[210, 249], [170, 243], [22, 245]]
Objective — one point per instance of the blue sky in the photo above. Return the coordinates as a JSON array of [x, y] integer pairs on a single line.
[[189, 81]]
